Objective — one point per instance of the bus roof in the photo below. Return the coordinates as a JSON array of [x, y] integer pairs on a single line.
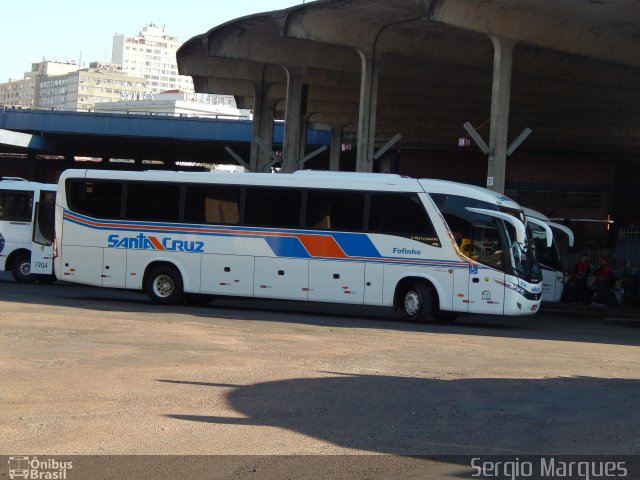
[[308, 179], [530, 212], [340, 180], [15, 183], [466, 190]]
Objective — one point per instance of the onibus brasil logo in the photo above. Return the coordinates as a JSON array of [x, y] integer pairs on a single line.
[[36, 469]]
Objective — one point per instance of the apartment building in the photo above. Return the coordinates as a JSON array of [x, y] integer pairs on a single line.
[[82, 90], [142, 66], [24, 92], [151, 55]]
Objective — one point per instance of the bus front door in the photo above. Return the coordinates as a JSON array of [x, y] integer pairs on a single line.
[[486, 273], [42, 239], [486, 290]]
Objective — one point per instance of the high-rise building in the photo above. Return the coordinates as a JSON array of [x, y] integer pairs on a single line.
[[151, 55]]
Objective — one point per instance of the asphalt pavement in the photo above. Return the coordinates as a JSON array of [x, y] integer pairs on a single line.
[[626, 316]]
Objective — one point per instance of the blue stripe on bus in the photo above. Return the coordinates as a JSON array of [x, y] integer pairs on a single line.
[[287, 247], [356, 246]]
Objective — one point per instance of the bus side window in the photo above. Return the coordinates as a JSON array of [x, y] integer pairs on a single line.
[[16, 206], [212, 204], [334, 210], [402, 214], [153, 201], [100, 199], [272, 207]]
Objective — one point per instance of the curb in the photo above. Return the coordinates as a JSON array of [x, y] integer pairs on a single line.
[[622, 322], [608, 315]]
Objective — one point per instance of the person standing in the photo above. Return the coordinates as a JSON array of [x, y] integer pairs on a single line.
[[629, 284], [604, 275], [581, 271]]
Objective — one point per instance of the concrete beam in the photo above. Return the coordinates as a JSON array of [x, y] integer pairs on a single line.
[[356, 26], [259, 39], [580, 28]]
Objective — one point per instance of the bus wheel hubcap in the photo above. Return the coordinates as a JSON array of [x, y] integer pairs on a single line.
[[411, 303], [163, 286], [25, 269]]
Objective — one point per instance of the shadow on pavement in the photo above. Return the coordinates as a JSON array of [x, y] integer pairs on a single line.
[[416, 416]]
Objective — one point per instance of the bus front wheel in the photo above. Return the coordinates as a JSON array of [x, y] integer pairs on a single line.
[[163, 285], [21, 268], [415, 303]]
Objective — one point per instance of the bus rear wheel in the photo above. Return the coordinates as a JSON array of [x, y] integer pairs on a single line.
[[415, 303], [21, 268], [163, 285]]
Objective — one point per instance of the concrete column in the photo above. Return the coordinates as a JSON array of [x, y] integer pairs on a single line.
[[293, 109], [304, 125], [500, 98], [263, 113], [367, 114], [336, 148]]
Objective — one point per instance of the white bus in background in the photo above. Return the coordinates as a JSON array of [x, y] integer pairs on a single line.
[[26, 218], [428, 248], [544, 233]]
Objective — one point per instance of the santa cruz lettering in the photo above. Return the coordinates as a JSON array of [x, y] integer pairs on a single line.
[[148, 242]]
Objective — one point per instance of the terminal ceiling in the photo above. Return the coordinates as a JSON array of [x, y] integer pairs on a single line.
[[575, 77]]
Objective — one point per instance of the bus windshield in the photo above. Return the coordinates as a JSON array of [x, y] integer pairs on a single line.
[[524, 260], [524, 256], [489, 240], [548, 256]]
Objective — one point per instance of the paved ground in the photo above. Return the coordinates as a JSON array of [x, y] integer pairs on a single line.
[[91, 371]]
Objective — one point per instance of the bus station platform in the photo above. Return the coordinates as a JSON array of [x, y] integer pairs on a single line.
[[618, 315]]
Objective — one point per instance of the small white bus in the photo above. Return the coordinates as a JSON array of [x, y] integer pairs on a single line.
[[26, 218], [428, 248], [544, 232]]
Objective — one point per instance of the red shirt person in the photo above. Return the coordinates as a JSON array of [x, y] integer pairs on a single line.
[[604, 275], [581, 271]]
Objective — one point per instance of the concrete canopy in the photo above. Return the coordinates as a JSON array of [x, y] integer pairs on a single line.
[[575, 78]]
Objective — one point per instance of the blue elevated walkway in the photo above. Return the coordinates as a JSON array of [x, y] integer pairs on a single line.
[[82, 133]]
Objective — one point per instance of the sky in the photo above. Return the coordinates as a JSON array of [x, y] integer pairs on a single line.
[[77, 30]]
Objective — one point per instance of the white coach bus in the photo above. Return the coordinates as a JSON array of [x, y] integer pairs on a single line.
[[24, 208], [428, 248], [543, 231]]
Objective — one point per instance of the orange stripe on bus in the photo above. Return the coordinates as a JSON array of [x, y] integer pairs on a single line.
[[322, 246]]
